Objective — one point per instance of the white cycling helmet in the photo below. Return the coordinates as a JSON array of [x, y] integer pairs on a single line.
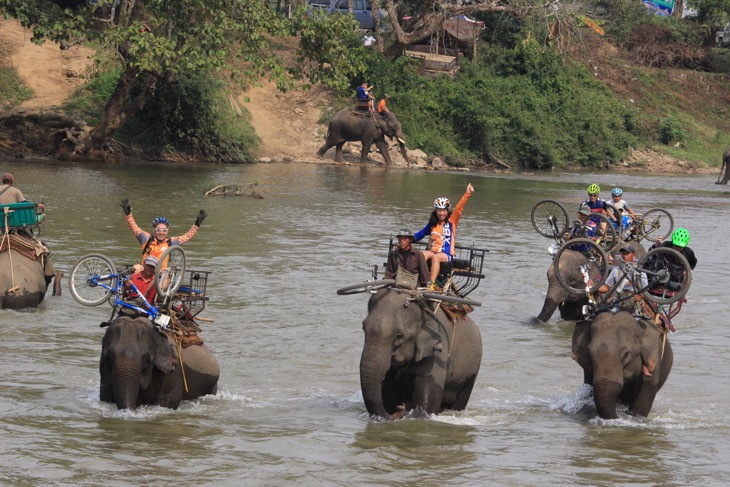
[[442, 203]]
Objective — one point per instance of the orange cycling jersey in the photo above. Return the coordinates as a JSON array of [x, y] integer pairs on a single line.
[[443, 234], [151, 246]]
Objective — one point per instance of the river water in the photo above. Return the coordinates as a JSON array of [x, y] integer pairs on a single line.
[[289, 407]]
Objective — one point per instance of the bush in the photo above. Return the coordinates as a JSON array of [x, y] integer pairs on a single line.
[[12, 91], [195, 116], [671, 131], [88, 101], [525, 105]]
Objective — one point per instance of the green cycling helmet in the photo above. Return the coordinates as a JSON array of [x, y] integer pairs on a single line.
[[680, 237], [594, 189]]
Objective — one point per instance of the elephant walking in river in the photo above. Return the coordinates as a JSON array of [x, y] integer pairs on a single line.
[[623, 359], [141, 366], [725, 169], [368, 128], [26, 270], [416, 357]]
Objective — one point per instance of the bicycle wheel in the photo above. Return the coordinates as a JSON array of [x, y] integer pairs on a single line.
[[574, 254], [549, 218], [608, 237], [669, 275], [366, 286], [93, 280], [170, 271], [657, 223]]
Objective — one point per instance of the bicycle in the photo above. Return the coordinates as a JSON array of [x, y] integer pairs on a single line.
[[655, 224], [668, 278], [550, 219], [94, 279]]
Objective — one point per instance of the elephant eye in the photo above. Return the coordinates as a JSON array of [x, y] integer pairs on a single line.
[[399, 337]]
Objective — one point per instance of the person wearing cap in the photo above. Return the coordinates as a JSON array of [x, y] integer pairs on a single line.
[[441, 230], [680, 243], [584, 227], [408, 258], [631, 299], [156, 244], [383, 108], [143, 281]]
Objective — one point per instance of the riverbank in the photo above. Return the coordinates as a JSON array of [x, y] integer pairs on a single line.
[[286, 123]]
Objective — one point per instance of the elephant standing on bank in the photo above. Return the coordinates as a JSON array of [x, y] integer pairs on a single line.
[[23, 281], [140, 366], [570, 304], [623, 359], [368, 128], [415, 357], [725, 169]]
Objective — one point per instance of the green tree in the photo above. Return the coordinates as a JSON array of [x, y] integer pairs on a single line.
[[158, 40]]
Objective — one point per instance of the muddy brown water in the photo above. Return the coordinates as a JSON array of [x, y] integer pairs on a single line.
[[289, 407]]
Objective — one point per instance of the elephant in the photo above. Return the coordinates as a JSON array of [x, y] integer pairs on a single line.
[[348, 125], [140, 365], [623, 359], [569, 304], [724, 176], [24, 279], [415, 357]]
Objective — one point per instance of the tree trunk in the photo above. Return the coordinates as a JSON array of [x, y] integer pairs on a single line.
[[678, 9], [376, 25], [119, 109]]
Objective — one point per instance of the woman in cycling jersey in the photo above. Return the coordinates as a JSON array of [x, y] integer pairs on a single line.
[[441, 229], [156, 244]]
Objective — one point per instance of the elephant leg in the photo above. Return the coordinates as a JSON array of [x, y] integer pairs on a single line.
[[365, 150], [383, 148], [338, 155], [462, 398], [323, 149]]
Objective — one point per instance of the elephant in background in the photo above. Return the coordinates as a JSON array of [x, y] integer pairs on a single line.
[[724, 176], [623, 359], [415, 357], [368, 128], [558, 297], [140, 366], [23, 281]]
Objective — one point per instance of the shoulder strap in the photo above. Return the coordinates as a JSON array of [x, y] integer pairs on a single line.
[[147, 245], [6, 188]]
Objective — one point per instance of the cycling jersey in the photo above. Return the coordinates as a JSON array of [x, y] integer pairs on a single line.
[[442, 235], [152, 246]]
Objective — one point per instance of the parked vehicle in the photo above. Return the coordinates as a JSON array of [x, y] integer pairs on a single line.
[[360, 10]]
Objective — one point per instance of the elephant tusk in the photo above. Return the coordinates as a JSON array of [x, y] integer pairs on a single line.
[[401, 140], [645, 370]]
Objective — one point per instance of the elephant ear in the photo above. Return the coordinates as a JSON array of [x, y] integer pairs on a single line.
[[165, 355], [428, 338], [651, 344]]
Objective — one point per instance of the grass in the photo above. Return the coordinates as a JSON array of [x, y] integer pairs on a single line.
[[12, 91]]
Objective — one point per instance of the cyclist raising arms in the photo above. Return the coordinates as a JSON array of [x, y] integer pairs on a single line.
[[156, 244], [441, 229]]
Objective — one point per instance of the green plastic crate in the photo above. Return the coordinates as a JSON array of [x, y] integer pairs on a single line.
[[20, 215]]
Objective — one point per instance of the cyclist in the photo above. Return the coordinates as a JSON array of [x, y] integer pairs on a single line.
[[143, 282], [584, 227], [406, 257], [680, 242], [627, 214], [156, 244], [597, 205], [441, 229], [626, 288]]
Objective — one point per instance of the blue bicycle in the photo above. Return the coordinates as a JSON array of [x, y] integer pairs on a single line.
[[95, 279]]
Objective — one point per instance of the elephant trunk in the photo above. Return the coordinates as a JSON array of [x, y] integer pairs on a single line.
[[548, 308], [403, 151], [605, 394], [125, 386], [374, 365]]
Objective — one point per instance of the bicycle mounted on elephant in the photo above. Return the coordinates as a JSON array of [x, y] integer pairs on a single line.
[[181, 293], [668, 278]]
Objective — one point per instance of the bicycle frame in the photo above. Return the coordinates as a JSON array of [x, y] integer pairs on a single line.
[[154, 314]]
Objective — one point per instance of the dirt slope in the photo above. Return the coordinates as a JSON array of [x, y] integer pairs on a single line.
[[51, 73]]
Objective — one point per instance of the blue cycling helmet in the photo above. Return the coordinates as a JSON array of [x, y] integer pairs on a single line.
[[617, 191], [158, 220]]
